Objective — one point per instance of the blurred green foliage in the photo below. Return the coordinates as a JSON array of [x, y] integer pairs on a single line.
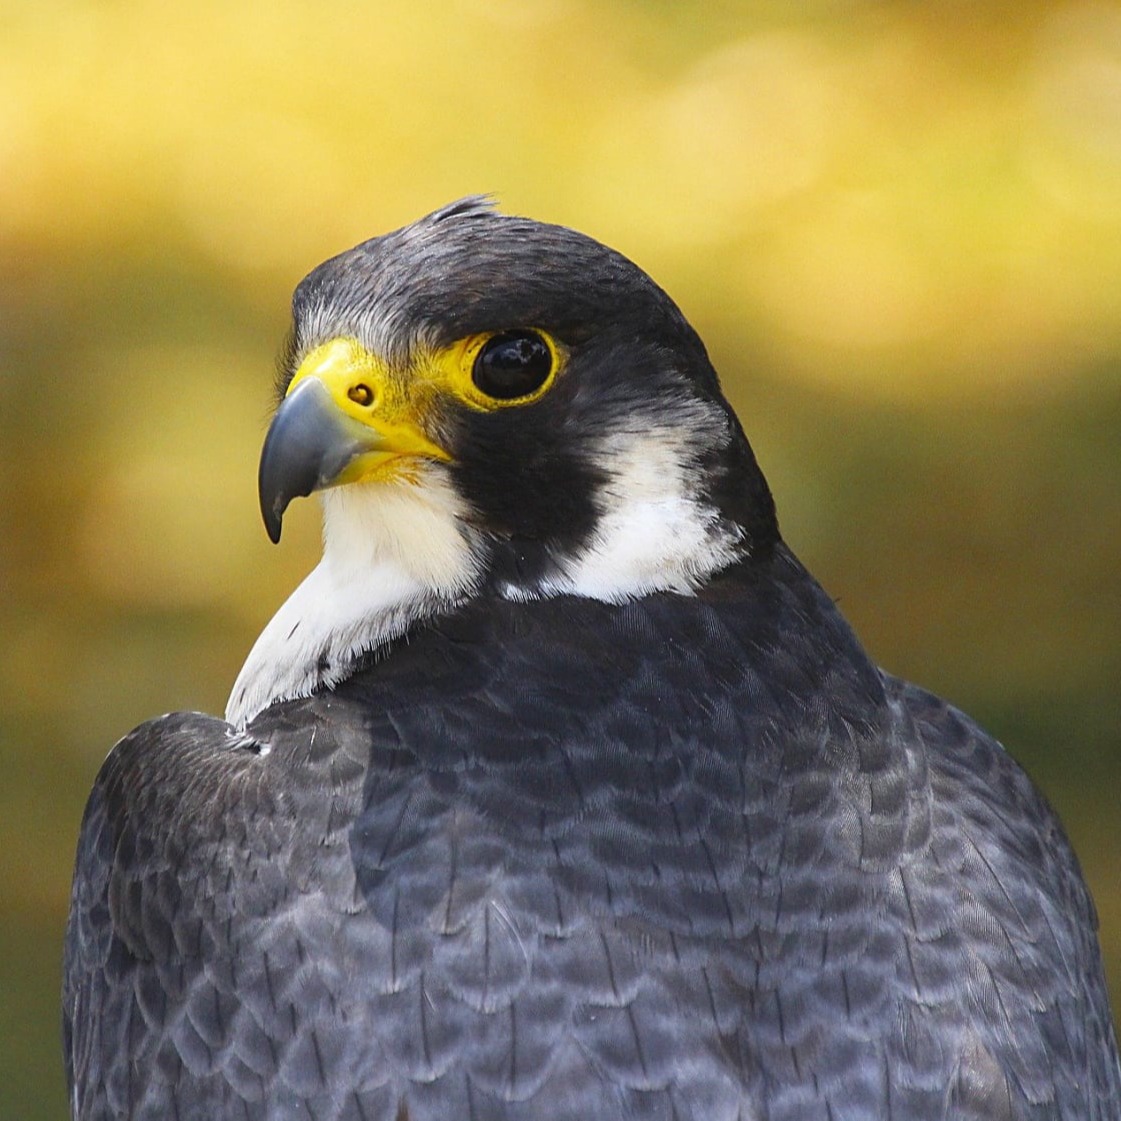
[[897, 226]]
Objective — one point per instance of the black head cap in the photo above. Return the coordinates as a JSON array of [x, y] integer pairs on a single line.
[[542, 474]]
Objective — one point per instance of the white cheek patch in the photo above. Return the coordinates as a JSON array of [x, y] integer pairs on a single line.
[[669, 545], [656, 532], [393, 553]]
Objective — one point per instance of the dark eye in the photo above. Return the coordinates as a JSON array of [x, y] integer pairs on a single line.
[[512, 364]]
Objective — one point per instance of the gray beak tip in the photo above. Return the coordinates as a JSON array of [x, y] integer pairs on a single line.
[[308, 445]]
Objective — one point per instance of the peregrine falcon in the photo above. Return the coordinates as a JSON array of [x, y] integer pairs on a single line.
[[559, 789]]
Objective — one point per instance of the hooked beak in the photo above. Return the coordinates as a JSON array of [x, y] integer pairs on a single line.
[[338, 423]]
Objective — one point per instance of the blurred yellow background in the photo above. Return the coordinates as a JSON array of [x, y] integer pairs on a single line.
[[897, 225]]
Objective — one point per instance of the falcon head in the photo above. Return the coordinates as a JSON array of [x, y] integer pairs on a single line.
[[491, 405]]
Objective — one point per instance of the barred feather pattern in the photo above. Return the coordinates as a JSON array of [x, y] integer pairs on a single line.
[[686, 857]]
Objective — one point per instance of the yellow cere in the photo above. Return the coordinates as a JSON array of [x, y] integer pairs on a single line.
[[395, 403], [344, 365], [365, 387]]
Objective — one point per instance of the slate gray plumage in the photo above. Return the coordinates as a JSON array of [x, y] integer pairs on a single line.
[[681, 857]]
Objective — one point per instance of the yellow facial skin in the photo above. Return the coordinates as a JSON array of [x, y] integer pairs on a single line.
[[362, 388], [450, 371], [395, 406], [349, 417]]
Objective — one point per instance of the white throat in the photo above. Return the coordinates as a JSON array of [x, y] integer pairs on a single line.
[[393, 553]]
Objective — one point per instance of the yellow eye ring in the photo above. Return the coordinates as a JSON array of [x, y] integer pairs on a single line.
[[497, 369], [512, 365]]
